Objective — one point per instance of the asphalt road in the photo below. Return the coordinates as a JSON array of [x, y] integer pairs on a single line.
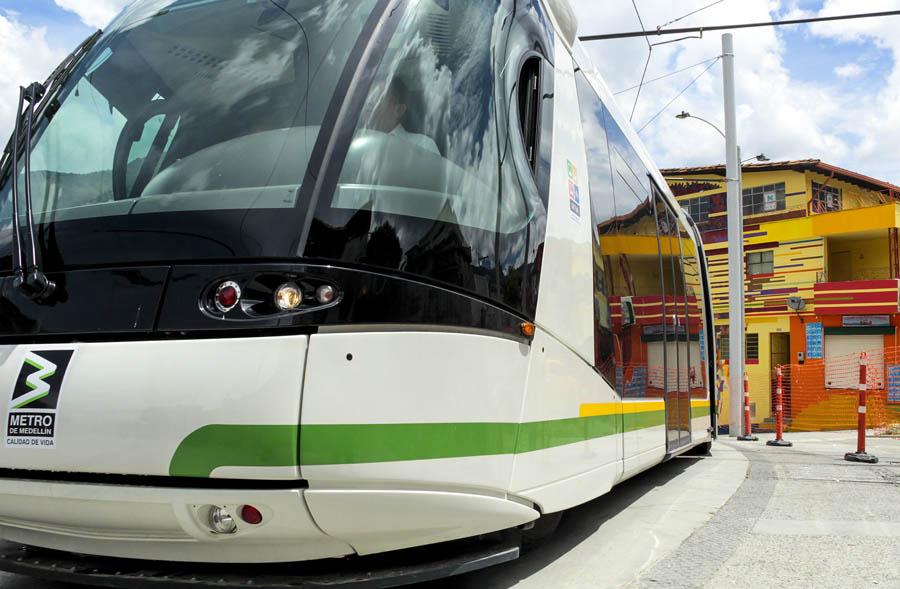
[[748, 516]]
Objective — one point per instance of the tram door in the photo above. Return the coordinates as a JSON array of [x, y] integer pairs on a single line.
[[675, 329], [687, 350]]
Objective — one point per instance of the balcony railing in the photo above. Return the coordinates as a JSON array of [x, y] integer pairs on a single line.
[[794, 208]]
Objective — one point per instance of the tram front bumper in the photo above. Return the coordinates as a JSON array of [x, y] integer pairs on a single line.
[[172, 524], [160, 523]]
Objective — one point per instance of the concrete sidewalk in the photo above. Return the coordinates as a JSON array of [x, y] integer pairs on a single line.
[[612, 540], [803, 518], [749, 516]]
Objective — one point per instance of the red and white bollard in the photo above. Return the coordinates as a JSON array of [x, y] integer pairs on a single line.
[[779, 412], [748, 427], [860, 455]]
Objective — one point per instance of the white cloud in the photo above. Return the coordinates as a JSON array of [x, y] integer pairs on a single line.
[[849, 70], [786, 118], [778, 114], [94, 13], [25, 57], [872, 112]]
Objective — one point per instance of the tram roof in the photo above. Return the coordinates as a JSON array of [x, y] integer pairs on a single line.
[[565, 19]]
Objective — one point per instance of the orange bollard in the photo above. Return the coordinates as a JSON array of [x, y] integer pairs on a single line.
[[748, 427], [779, 412], [861, 455]]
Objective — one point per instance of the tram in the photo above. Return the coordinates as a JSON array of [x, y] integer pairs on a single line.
[[297, 280]]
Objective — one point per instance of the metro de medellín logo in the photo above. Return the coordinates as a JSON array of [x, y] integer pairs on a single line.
[[35, 399]]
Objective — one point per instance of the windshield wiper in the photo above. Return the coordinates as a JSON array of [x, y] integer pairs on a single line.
[[28, 276]]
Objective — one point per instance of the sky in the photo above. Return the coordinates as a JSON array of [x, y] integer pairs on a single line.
[[828, 91]]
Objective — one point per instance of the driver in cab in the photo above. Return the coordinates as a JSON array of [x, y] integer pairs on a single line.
[[395, 105]]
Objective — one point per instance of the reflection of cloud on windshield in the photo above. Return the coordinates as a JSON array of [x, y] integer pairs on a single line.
[[258, 63], [82, 137], [136, 13], [454, 77], [326, 15]]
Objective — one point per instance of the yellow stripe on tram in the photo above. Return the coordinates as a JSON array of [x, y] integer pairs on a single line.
[[594, 409], [629, 407]]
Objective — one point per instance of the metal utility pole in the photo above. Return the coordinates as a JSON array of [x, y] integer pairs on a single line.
[[735, 210]]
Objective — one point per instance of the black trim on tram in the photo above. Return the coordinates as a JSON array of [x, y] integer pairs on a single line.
[[390, 569], [123, 300], [122, 480], [174, 302], [365, 297], [710, 335]]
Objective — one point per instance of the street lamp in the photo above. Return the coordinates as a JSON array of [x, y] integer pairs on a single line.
[[736, 323], [686, 115]]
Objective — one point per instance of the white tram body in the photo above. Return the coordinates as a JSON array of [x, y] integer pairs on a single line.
[[501, 316]]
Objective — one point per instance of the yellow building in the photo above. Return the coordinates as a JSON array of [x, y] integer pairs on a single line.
[[821, 268]]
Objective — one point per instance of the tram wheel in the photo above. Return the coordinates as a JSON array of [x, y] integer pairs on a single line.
[[542, 529], [704, 449]]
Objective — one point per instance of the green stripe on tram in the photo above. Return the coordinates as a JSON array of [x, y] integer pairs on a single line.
[[213, 446], [700, 411], [394, 442], [216, 446], [643, 420]]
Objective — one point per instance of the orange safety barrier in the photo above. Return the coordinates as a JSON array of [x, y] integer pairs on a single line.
[[747, 435], [861, 455], [823, 395], [779, 440]]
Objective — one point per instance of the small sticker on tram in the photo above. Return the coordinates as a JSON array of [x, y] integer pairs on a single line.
[[574, 191], [34, 403]]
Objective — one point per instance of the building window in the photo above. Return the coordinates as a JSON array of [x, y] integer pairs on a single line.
[[764, 199], [825, 198], [760, 263], [697, 208], [722, 346], [751, 346]]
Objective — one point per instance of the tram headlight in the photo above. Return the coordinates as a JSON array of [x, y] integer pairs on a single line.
[[288, 297], [326, 294], [221, 521], [228, 295]]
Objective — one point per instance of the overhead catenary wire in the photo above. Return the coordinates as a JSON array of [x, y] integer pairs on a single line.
[[641, 22], [641, 84], [692, 13], [668, 75], [646, 63], [775, 23], [677, 96]]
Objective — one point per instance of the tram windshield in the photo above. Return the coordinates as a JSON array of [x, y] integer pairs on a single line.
[[186, 132], [193, 105]]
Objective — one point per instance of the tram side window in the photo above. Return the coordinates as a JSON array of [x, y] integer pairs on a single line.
[[627, 287], [529, 103], [696, 316], [436, 182], [637, 281], [602, 216]]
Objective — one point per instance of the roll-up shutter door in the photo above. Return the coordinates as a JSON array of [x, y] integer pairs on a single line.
[[842, 360]]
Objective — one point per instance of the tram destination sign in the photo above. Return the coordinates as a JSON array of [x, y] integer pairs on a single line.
[[34, 404]]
